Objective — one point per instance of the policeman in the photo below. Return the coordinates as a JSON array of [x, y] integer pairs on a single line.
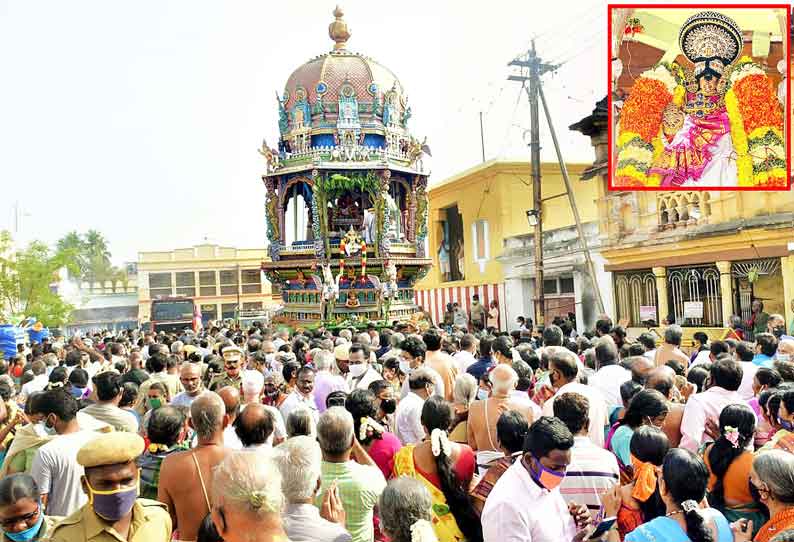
[[232, 358], [114, 512]]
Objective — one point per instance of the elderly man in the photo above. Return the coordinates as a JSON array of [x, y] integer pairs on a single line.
[[246, 498], [186, 477], [361, 373], [785, 351], [325, 382], [671, 349], [342, 356], [563, 372], [254, 427], [359, 482], [114, 511], [302, 396], [231, 404], [299, 463], [483, 415], [725, 377], [166, 432], [232, 360], [408, 421], [190, 378]]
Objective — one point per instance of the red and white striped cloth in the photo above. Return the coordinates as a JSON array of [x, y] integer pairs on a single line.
[[435, 300]]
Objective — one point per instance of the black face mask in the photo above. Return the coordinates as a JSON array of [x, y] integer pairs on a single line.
[[779, 331], [388, 406]]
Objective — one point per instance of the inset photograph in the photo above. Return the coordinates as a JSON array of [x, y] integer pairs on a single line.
[[699, 97]]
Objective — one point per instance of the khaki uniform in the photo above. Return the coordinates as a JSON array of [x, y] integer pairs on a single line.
[[223, 380], [150, 523]]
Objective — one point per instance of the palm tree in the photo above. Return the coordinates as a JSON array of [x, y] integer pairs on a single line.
[[72, 246], [97, 245]]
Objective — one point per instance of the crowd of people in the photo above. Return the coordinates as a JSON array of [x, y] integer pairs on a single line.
[[410, 433]]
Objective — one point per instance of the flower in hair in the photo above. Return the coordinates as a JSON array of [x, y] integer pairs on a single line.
[[422, 531], [731, 434], [689, 506], [440, 443]]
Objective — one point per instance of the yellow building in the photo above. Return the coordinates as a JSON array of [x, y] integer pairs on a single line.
[[693, 257], [480, 242], [220, 279]]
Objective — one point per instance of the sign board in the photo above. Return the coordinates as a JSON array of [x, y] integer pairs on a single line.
[[693, 309], [647, 312]]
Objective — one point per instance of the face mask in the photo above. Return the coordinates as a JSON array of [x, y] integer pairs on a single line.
[[783, 357], [27, 534], [482, 394], [46, 429], [547, 478], [388, 406], [787, 425], [154, 404], [270, 358], [358, 370], [77, 392], [405, 367], [112, 505]]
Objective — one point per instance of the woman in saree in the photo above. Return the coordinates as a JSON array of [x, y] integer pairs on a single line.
[[446, 469], [682, 487], [729, 463], [772, 477], [647, 407], [640, 500]]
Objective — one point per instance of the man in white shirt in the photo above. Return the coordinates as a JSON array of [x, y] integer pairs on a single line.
[[302, 396], [725, 378], [39, 382], [360, 371], [716, 349], [412, 357], [563, 372], [254, 427], [466, 355], [190, 378], [535, 479], [648, 340], [745, 354], [409, 410], [55, 466], [282, 338], [609, 376]]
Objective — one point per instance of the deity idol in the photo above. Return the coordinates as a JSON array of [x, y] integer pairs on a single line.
[[697, 137]]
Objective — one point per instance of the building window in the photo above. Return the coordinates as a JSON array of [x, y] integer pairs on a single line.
[[208, 283], [186, 283], [550, 286], [229, 311], [566, 285], [228, 282], [635, 297], [251, 282], [160, 285], [252, 306], [694, 296], [482, 252]]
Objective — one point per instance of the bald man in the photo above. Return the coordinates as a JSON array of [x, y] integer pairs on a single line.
[[483, 415], [231, 400], [639, 366], [186, 477], [254, 427], [662, 379], [190, 377]]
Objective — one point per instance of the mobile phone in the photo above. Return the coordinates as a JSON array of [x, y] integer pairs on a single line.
[[605, 525]]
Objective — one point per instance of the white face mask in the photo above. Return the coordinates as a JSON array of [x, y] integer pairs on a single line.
[[358, 369], [482, 394], [405, 367]]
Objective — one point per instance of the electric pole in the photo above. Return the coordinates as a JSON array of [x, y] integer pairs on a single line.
[[531, 70]]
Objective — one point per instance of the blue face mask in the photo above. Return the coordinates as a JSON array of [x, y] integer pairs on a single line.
[[27, 534], [77, 393], [787, 425]]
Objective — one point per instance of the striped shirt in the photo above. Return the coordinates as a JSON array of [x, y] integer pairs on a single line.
[[592, 472], [360, 487]]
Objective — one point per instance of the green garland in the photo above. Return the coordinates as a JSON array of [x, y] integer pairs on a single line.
[[329, 187]]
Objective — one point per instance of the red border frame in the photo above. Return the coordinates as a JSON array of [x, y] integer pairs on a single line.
[[786, 120]]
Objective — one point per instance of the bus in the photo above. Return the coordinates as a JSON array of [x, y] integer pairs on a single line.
[[172, 314]]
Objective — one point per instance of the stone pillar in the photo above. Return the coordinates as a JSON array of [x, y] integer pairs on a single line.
[[660, 274], [726, 291], [787, 271]]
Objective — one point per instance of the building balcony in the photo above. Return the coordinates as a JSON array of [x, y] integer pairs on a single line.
[[682, 209]]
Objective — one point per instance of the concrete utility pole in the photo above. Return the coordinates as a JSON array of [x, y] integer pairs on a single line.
[[534, 69]]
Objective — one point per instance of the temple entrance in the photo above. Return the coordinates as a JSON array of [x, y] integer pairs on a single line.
[[298, 214]]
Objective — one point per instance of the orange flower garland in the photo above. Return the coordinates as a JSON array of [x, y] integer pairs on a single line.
[[757, 102], [642, 112]]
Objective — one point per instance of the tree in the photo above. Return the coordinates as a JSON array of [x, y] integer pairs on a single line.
[[74, 243], [26, 276], [92, 257]]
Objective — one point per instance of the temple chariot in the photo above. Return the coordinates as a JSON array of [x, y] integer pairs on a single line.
[[346, 203]]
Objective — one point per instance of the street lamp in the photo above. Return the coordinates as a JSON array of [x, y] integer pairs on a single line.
[[533, 215]]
